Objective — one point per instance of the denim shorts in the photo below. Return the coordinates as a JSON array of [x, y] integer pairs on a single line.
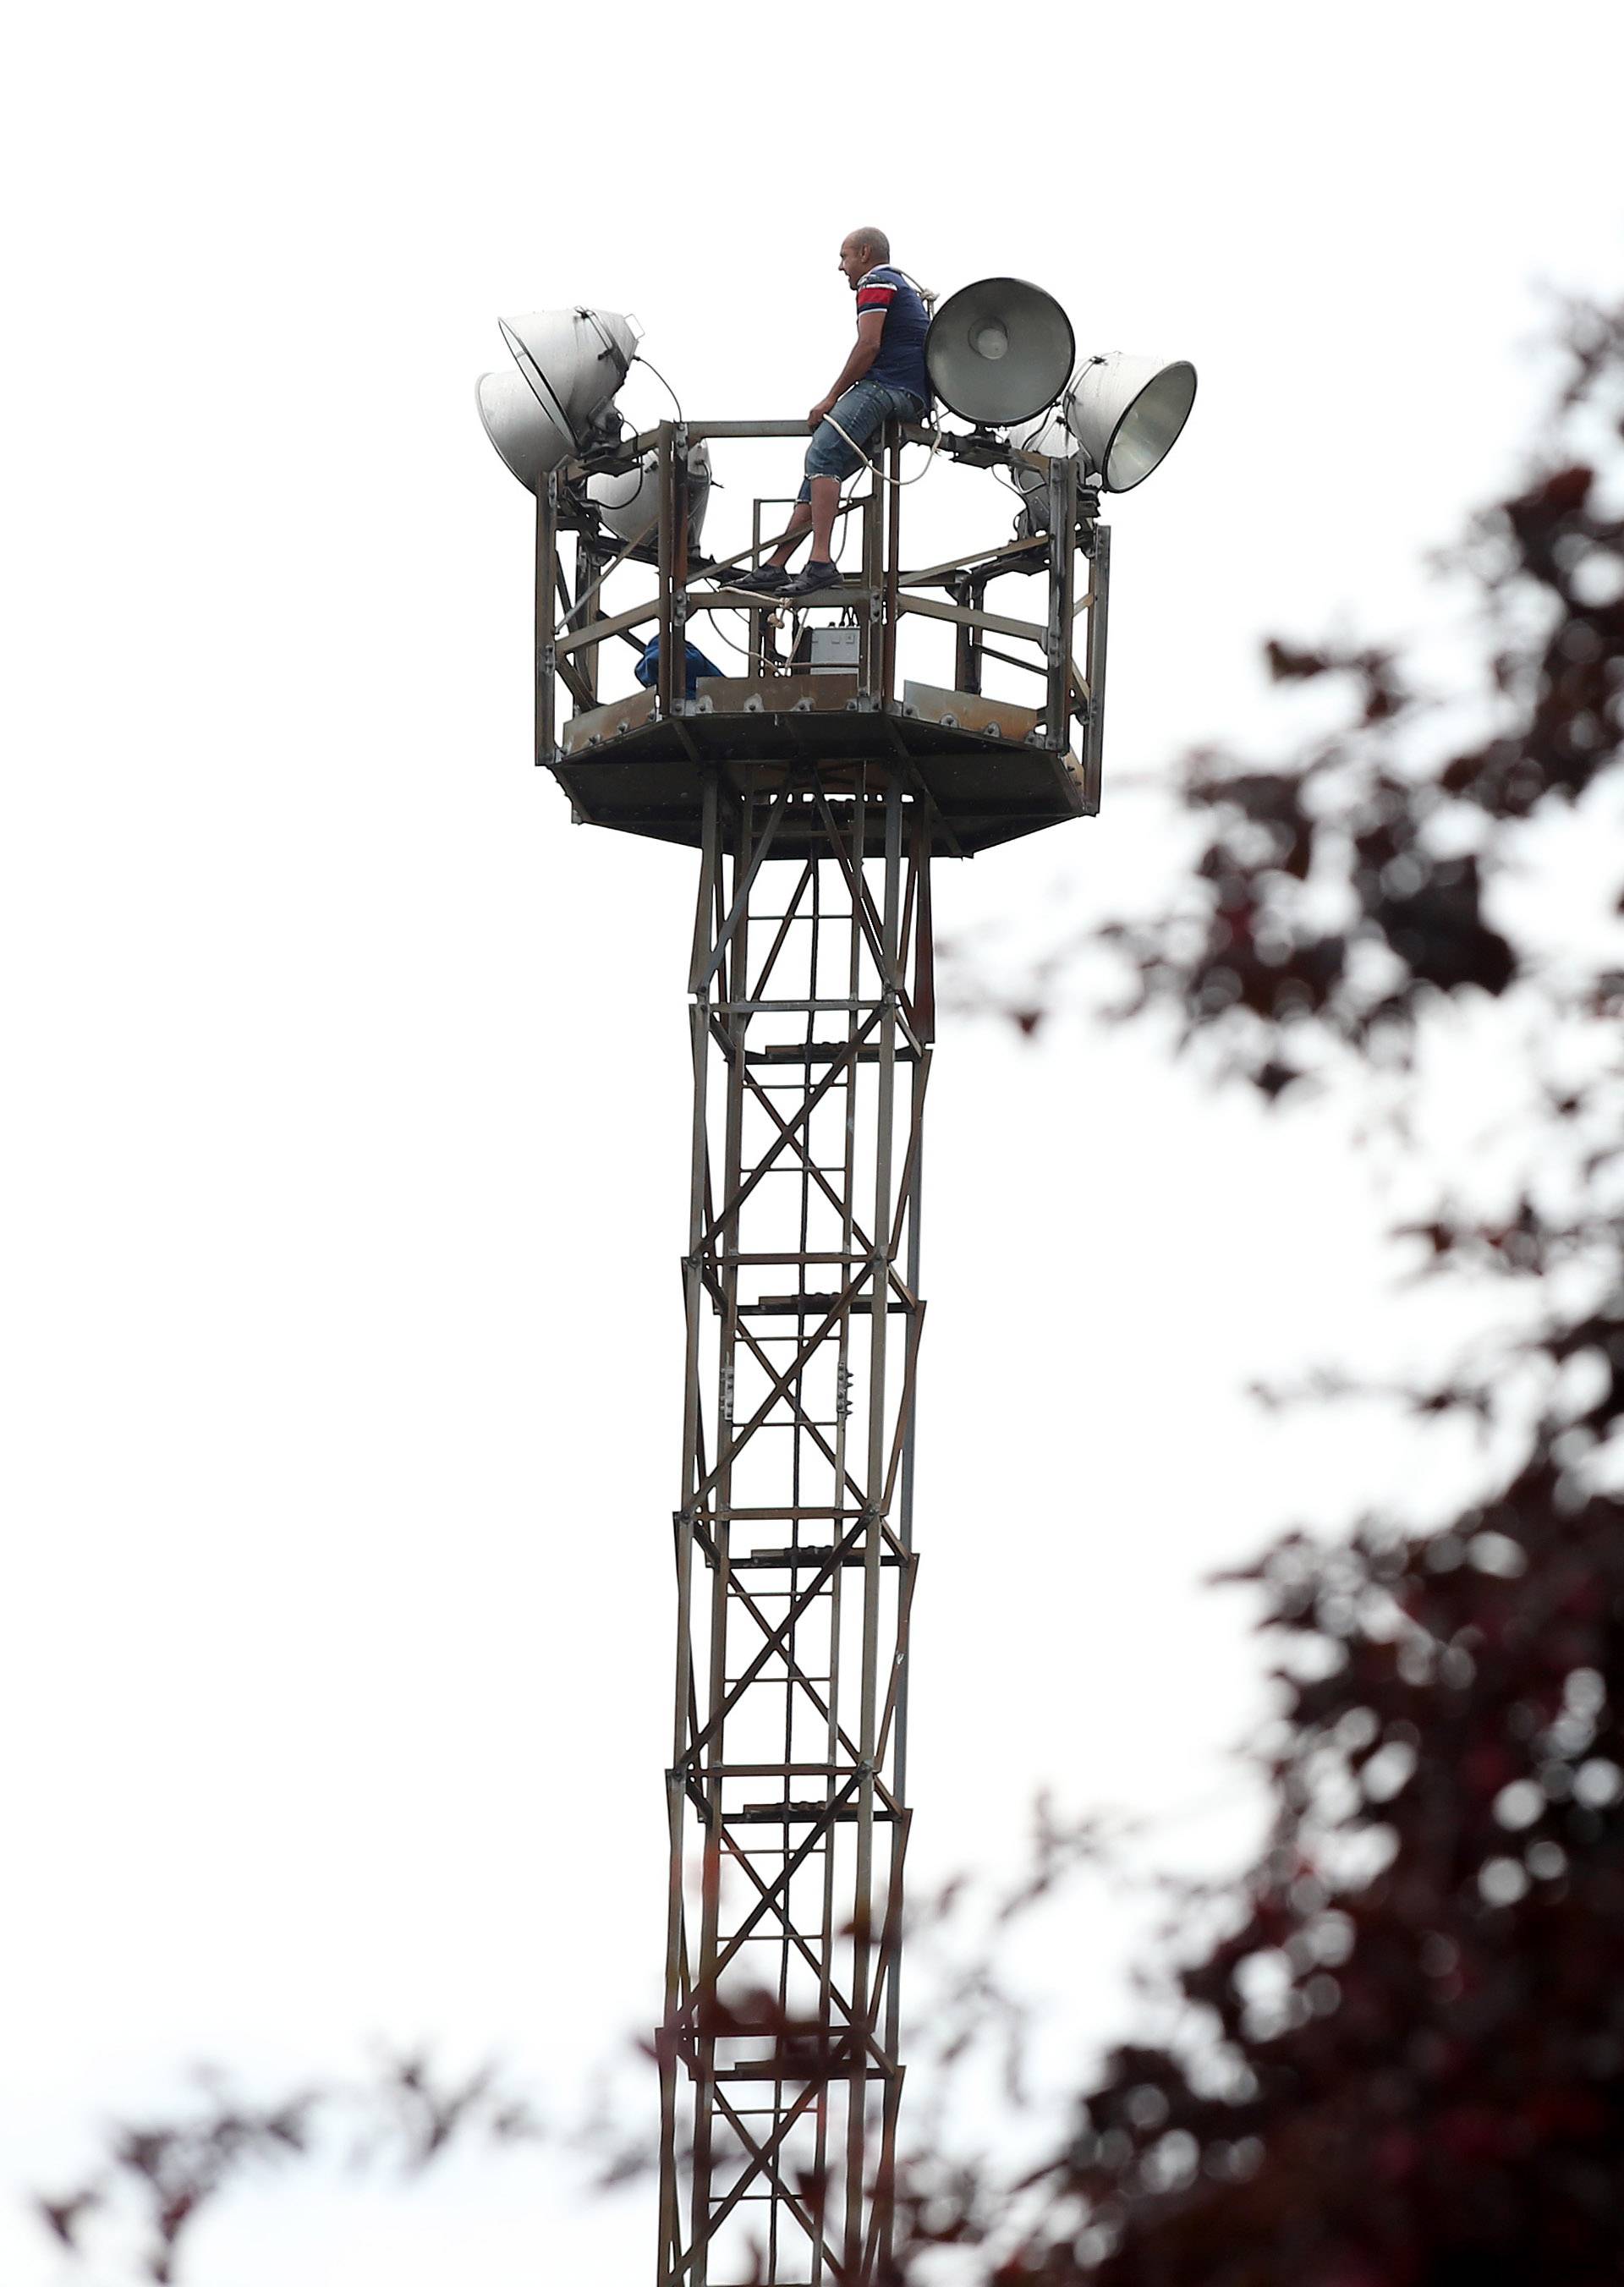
[[861, 412]]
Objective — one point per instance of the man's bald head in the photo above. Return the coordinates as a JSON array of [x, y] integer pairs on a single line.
[[860, 250]]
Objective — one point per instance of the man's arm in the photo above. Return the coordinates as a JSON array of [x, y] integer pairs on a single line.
[[865, 349]]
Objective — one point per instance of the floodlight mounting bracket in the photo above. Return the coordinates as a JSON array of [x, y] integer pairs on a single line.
[[979, 448], [604, 445]]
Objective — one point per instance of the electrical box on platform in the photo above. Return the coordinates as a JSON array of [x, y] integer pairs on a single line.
[[829, 650]]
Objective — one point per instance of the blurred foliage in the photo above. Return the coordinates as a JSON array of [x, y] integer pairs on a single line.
[[158, 2177], [1337, 897], [1404, 2065]]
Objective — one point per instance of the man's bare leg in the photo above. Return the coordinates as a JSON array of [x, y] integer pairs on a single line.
[[795, 532], [819, 513], [816, 515], [825, 502]]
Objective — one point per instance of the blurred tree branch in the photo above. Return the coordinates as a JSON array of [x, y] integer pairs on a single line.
[[1407, 2069], [158, 2176]]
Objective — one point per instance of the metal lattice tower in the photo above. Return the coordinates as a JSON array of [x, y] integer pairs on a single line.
[[816, 800], [812, 1025]]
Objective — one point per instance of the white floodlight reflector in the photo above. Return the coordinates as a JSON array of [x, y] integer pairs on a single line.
[[1049, 433], [1126, 413], [628, 500], [573, 360], [526, 435], [1000, 351]]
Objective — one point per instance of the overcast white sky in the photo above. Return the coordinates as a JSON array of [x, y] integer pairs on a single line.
[[345, 1128]]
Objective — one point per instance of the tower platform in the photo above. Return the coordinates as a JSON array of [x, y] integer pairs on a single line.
[[985, 763]]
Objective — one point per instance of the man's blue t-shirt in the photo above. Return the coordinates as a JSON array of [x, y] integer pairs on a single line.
[[902, 361]]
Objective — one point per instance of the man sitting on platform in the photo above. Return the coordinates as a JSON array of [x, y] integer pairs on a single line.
[[884, 379]]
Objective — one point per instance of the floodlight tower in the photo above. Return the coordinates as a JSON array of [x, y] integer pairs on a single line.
[[817, 785]]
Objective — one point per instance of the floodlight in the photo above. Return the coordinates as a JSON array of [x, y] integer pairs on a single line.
[[628, 500], [1126, 413], [1000, 351], [525, 433], [573, 360], [1047, 434]]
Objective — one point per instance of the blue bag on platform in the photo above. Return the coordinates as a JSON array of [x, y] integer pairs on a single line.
[[648, 669]]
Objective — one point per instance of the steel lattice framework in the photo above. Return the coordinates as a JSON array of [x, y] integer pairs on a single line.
[[812, 1014], [817, 796]]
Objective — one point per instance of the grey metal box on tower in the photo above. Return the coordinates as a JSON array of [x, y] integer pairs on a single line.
[[829, 650]]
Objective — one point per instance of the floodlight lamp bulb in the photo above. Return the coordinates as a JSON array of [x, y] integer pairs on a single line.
[[991, 341]]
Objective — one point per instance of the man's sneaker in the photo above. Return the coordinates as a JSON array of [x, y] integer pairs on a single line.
[[766, 580], [814, 579]]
